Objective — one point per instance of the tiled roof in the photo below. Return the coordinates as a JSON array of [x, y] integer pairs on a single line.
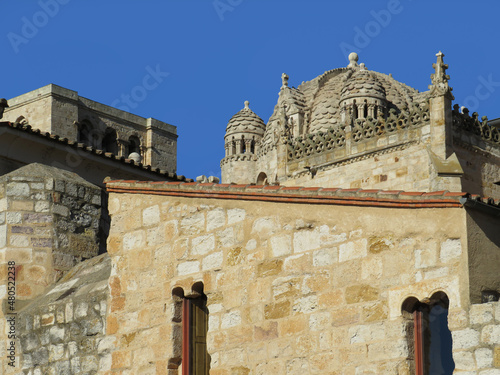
[[92, 150], [311, 195]]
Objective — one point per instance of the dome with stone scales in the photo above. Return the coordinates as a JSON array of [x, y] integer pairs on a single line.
[[245, 121], [324, 94]]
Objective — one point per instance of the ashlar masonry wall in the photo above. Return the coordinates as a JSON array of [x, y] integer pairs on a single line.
[[291, 288]]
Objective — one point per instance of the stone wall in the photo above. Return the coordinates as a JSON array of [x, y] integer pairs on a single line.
[[291, 288], [406, 167], [477, 341], [51, 221], [63, 331], [57, 110]]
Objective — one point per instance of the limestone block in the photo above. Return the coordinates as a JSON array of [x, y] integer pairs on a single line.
[[213, 261], [425, 258], [481, 313], [490, 372], [235, 215], [193, 224], [151, 215], [436, 273], [305, 240], [484, 357], [465, 338], [353, 250], [14, 217], [203, 244], [450, 249], [17, 189], [216, 219], [318, 321], [286, 287], [81, 310], [227, 237], [251, 245], [19, 240], [371, 268], [306, 304], [42, 206], [3, 235], [325, 257], [231, 319], [277, 310], [366, 333], [134, 240], [464, 361], [187, 268], [491, 334], [265, 226], [496, 357], [56, 352], [281, 245], [297, 366], [361, 293]]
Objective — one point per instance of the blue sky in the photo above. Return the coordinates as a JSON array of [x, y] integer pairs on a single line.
[[210, 56]]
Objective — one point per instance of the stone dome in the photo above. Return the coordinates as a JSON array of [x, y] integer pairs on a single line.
[[362, 84], [325, 93], [246, 121]]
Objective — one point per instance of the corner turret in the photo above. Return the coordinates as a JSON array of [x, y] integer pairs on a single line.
[[244, 132]]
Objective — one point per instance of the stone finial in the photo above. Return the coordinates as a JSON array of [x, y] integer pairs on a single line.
[[353, 60], [362, 66], [440, 79], [247, 103], [284, 80], [3, 105]]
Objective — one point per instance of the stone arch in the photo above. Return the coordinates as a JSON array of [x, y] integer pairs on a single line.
[[428, 335], [110, 142], [189, 330], [262, 179], [22, 120], [134, 145]]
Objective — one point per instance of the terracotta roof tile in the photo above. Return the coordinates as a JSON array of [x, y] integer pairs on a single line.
[[93, 150], [296, 194]]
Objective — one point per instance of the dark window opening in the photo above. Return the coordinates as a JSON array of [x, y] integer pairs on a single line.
[[134, 145], [429, 337], [109, 142], [195, 358]]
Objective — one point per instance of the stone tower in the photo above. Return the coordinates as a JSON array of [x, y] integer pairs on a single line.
[[243, 135]]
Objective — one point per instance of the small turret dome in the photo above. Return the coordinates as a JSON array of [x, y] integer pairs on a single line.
[[246, 121], [362, 84]]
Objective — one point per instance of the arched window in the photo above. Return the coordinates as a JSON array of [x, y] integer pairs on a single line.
[[429, 337], [233, 146], [84, 133], [192, 308], [262, 179], [354, 110], [134, 145], [109, 143]]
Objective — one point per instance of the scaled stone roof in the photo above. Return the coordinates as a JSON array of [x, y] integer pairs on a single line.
[[245, 121], [322, 95], [309, 195], [362, 83]]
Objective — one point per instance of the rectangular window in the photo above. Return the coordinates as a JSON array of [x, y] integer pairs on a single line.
[[195, 359]]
